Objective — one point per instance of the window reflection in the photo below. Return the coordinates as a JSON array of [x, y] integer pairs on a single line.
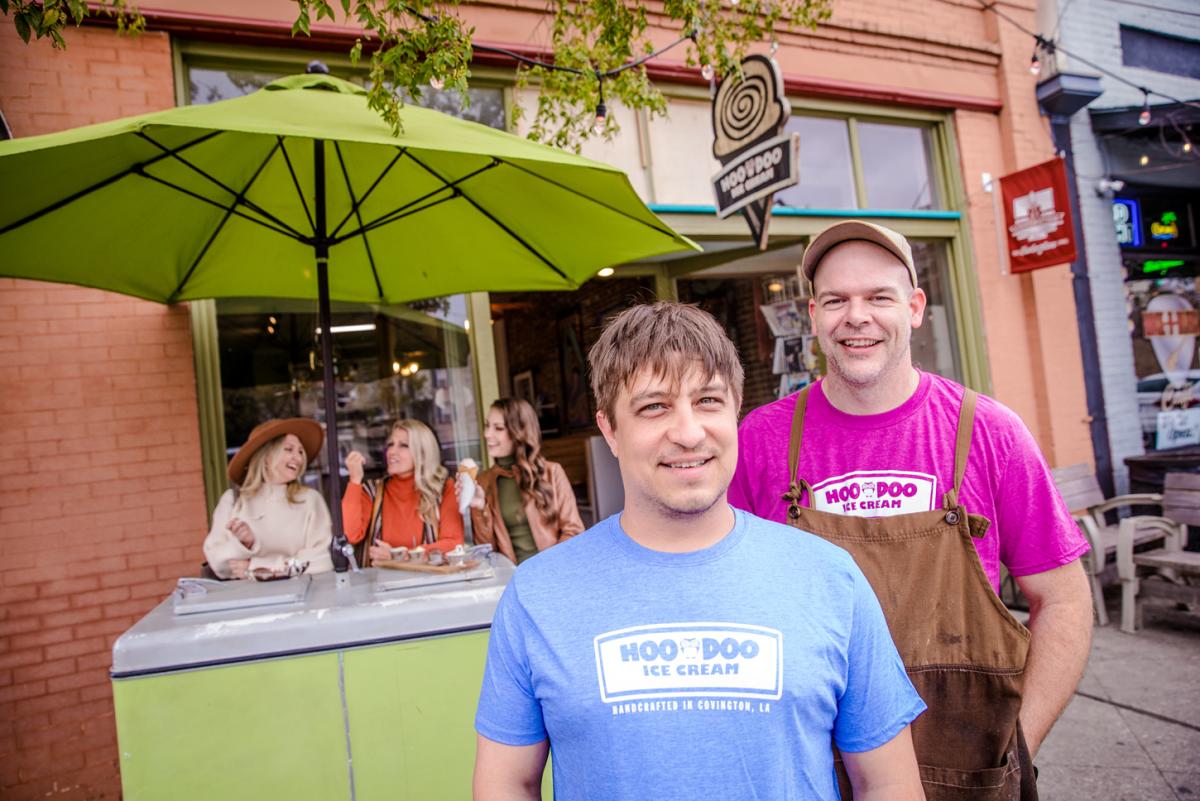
[[897, 167], [935, 343], [826, 172], [209, 84], [395, 362]]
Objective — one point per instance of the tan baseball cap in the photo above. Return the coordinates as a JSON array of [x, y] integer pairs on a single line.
[[850, 230]]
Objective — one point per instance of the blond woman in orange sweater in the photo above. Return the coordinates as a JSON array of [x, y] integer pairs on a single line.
[[413, 505]]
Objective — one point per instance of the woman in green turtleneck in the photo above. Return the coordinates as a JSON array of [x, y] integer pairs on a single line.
[[524, 504]]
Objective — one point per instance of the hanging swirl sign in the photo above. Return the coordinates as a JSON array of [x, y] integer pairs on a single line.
[[757, 159]]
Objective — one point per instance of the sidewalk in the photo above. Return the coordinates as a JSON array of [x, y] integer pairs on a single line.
[[1099, 751]]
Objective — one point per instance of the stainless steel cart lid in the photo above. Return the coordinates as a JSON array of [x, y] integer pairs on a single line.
[[246, 621]]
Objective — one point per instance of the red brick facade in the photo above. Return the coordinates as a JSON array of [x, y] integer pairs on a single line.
[[101, 494]]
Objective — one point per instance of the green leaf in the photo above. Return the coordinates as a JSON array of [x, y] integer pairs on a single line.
[[22, 27]]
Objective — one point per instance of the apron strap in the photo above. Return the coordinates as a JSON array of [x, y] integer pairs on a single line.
[[797, 433], [962, 445], [796, 486]]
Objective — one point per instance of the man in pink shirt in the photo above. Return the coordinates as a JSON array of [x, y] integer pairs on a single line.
[[874, 447]]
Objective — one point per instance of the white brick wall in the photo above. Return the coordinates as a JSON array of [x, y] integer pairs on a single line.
[[1091, 29]]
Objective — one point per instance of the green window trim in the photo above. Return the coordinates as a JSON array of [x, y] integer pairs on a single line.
[[893, 214], [210, 408]]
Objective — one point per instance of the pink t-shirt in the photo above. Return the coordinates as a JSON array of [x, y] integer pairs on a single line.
[[903, 461]]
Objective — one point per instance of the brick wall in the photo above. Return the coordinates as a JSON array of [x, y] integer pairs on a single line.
[[101, 494], [1091, 29]]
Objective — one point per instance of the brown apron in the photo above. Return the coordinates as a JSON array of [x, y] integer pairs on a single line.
[[964, 652]]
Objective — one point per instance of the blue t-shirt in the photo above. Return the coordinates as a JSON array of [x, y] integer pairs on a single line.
[[717, 674]]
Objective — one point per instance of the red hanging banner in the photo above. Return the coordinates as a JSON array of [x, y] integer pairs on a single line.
[[1037, 217]]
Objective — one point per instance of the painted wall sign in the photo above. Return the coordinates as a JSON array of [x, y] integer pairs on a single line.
[[1127, 219], [1037, 217], [748, 115]]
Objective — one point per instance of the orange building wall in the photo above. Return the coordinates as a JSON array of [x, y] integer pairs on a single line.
[[99, 390], [101, 493]]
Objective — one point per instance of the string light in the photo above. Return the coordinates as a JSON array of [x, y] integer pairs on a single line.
[[601, 109], [1035, 63], [1144, 117], [989, 5], [436, 83], [707, 72]]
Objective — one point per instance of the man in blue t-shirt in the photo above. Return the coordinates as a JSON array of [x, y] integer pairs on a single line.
[[683, 649]]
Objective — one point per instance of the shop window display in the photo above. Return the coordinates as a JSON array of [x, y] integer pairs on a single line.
[[766, 316], [410, 361], [390, 363]]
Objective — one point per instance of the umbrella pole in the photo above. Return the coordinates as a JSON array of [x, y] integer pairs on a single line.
[[321, 247]]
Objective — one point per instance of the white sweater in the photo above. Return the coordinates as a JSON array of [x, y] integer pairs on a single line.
[[282, 530]]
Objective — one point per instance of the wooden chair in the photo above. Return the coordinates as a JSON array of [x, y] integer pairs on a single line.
[[1178, 569], [1079, 488]]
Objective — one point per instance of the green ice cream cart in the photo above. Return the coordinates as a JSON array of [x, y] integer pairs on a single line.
[[356, 686]]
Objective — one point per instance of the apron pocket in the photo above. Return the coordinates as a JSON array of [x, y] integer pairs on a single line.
[[991, 784]]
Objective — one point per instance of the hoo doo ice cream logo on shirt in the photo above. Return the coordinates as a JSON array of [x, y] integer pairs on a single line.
[[690, 659], [875, 494]]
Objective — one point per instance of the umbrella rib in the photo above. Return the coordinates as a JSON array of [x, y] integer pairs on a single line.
[[247, 203], [396, 216], [627, 215], [401, 212], [296, 183], [353, 211], [220, 227], [231, 209], [366, 244], [497, 222], [133, 170]]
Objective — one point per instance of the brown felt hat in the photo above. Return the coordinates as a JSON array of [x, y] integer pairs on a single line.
[[309, 432], [850, 230]]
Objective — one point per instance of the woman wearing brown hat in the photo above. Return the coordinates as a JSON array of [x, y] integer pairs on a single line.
[[270, 517]]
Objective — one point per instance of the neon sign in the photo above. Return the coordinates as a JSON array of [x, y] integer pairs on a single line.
[[1160, 265], [1127, 218], [1166, 228]]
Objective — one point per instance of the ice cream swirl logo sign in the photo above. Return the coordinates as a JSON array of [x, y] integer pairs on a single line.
[[757, 158], [690, 666]]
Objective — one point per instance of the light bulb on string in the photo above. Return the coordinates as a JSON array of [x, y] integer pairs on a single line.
[[1035, 63], [601, 117], [707, 72], [436, 83], [601, 109], [1144, 117]]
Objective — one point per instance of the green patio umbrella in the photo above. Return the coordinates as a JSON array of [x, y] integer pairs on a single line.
[[299, 190]]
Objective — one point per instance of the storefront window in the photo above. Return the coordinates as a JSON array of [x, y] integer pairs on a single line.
[[897, 167], [405, 362], [934, 344], [826, 169], [765, 313], [210, 84]]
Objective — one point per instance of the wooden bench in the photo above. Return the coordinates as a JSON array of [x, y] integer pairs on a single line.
[[1078, 485], [1178, 571]]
